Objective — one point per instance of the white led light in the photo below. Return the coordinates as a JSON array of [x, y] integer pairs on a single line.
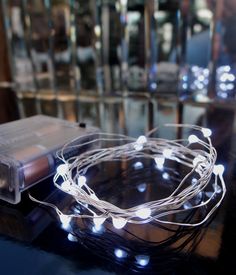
[[217, 189], [77, 209], [65, 221], [206, 132], [138, 147], [98, 221], [209, 194], [230, 86], [198, 160], [138, 165], [141, 140], [119, 223], [153, 85], [226, 68], [193, 139], [165, 176], [198, 197], [123, 2], [97, 229], [120, 253], [66, 185], [201, 78], [160, 162], [97, 30], [231, 77], [81, 181], [218, 169], [200, 163], [142, 187], [62, 169], [143, 213], [72, 238], [167, 153], [142, 260], [187, 205]]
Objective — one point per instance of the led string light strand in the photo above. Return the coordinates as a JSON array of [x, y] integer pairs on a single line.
[[200, 162]]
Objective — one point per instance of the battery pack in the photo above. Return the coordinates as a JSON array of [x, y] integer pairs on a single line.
[[28, 151]]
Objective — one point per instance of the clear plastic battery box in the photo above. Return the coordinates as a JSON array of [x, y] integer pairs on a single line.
[[28, 151]]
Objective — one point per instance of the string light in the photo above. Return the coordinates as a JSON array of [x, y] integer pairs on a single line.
[[138, 165], [160, 162], [97, 229], [143, 213], [142, 260], [193, 139], [165, 176], [141, 140], [206, 132], [119, 223], [62, 169], [120, 253], [65, 221], [218, 169], [72, 238], [81, 180], [142, 187], [199, 162], [98, 221], [167, 153], [66, 185]]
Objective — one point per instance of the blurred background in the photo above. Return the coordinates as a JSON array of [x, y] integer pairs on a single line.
[[122, 65]]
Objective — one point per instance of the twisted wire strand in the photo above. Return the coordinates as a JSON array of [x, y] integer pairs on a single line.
[[199, 161]]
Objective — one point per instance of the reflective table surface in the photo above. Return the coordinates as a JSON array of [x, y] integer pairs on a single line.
[[32, 240]]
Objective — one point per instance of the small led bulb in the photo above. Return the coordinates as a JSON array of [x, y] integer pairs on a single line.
[[217, 189], [187, 205], [65, 220], [193, 139], [120, 253], [66, 185], [218, 169], [138, 165], [72, 238], [198, 159], [123, 2], [97, 30], [143, 213], [142, 260], [138, 147], [62, 169], [81, 181], [98, 229], [165, 176], [141, 140], [209, 194], [142, 187], [98, 221], [206, 132], [160, 162], [119, 223], [167, 153]]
